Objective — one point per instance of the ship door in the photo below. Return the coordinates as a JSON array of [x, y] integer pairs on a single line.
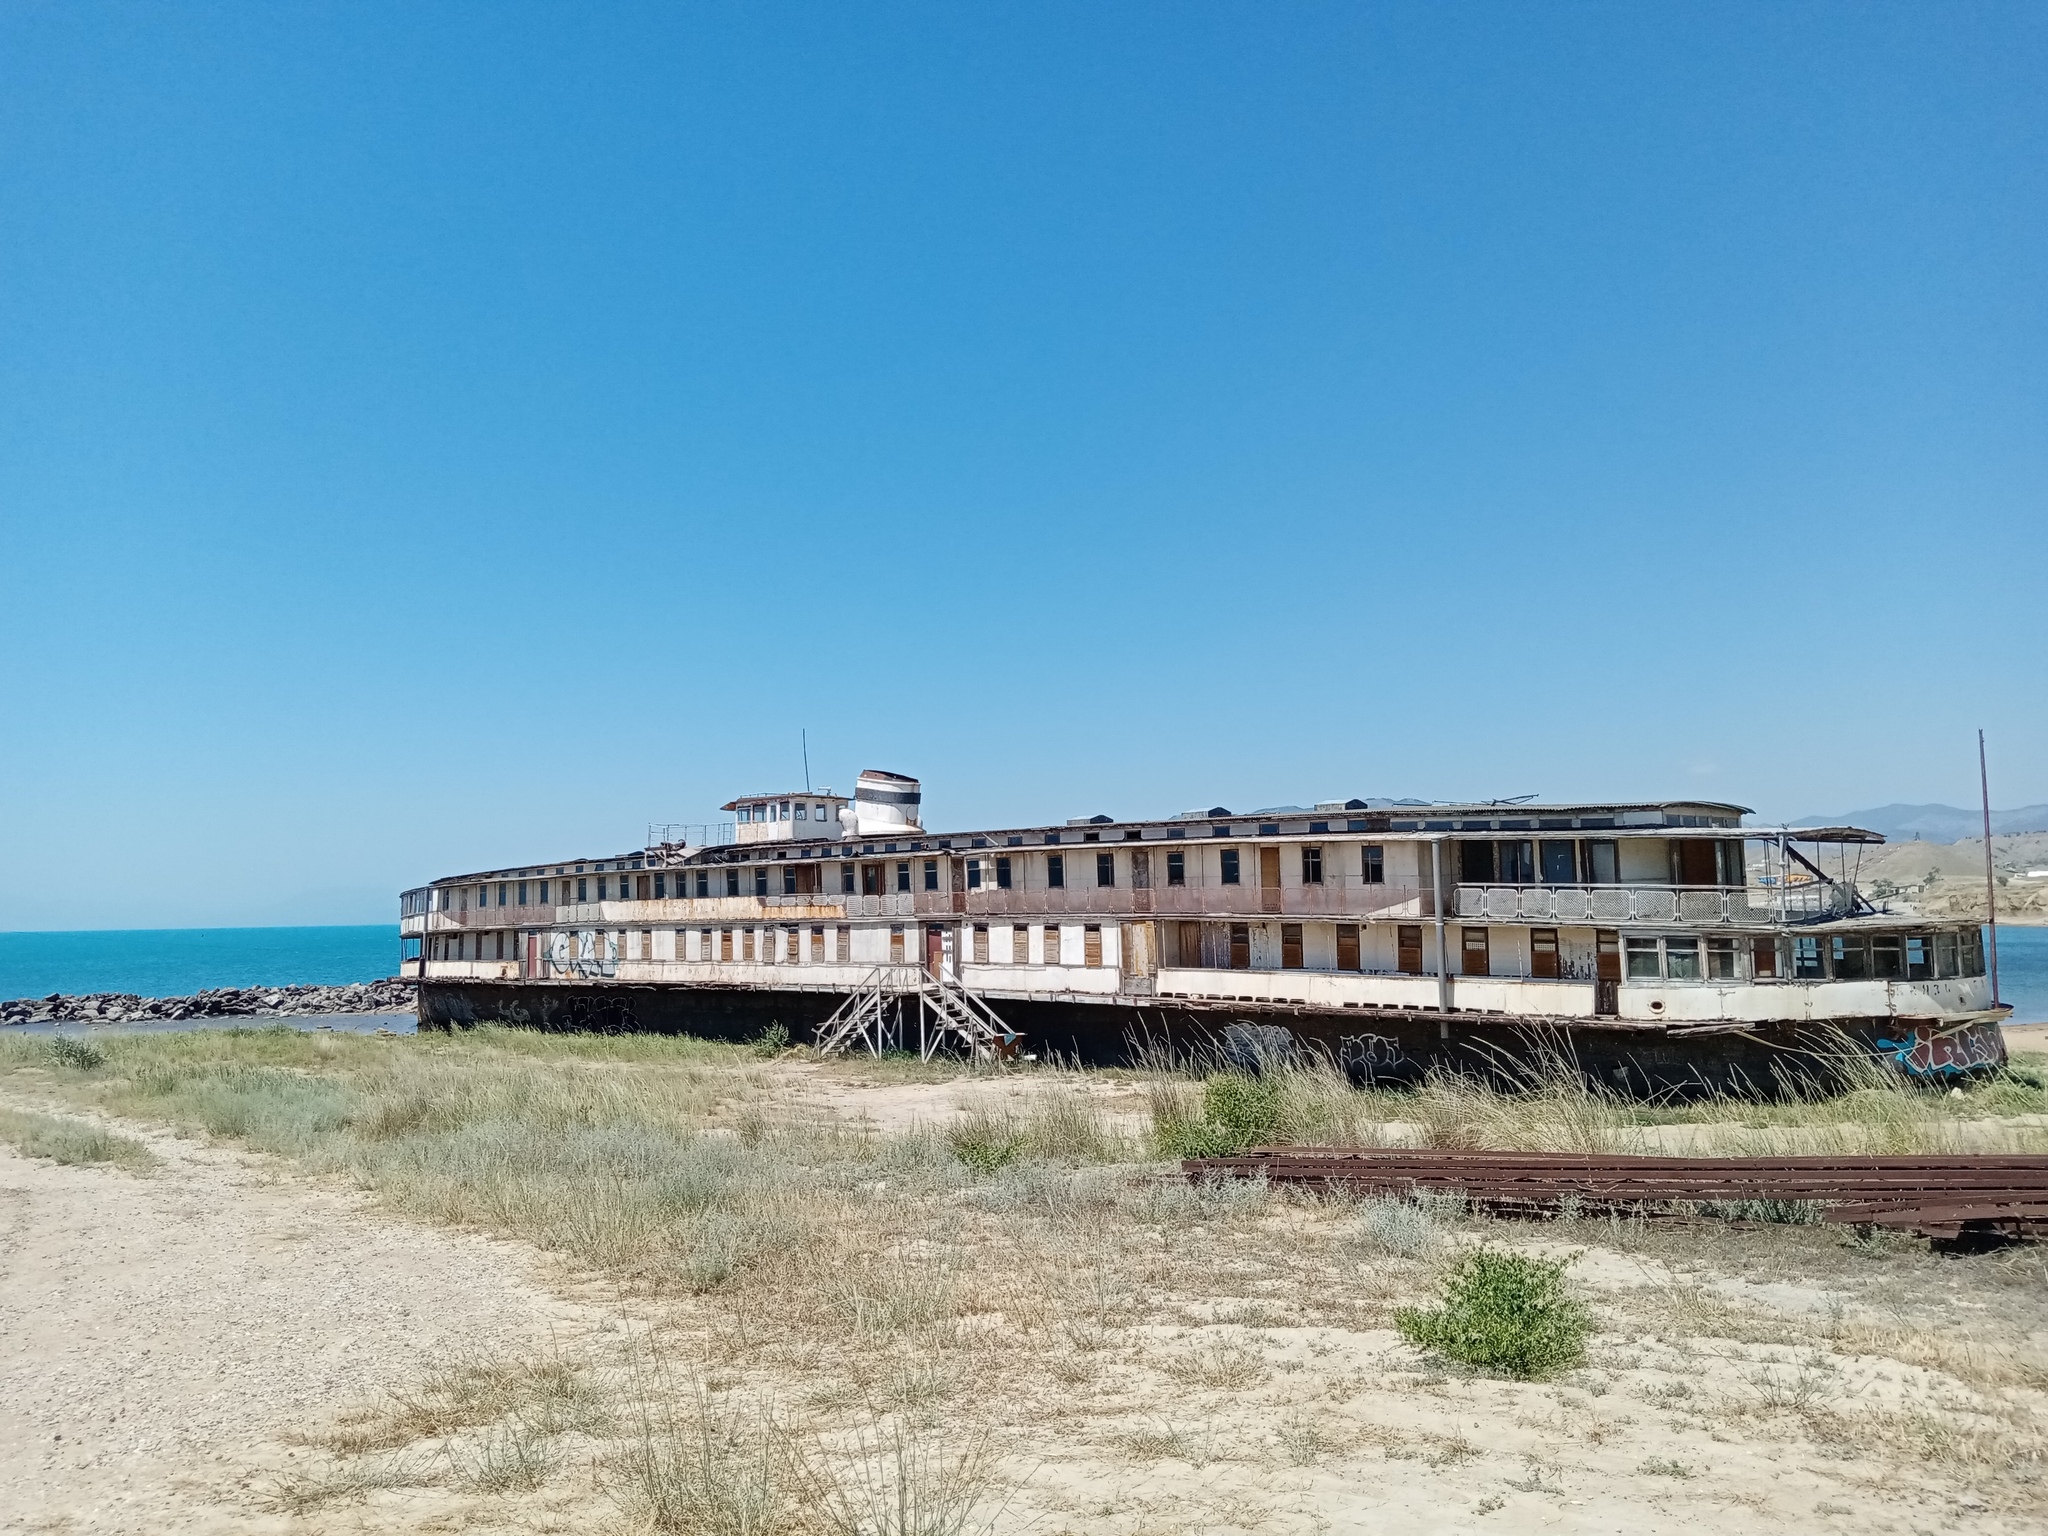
[[1269, 879], [1607, 973], [934, 948]]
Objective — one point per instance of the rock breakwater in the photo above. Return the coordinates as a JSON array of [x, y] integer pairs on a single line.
[[390, 995]]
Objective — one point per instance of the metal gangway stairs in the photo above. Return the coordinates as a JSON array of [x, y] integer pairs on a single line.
[[879, 1012]]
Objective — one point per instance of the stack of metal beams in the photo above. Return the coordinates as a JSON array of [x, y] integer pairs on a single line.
[[1951, 1198]]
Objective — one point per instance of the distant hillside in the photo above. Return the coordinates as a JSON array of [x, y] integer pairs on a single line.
[[1934, 823]]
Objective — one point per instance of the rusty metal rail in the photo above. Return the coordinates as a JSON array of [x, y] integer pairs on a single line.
[[1949, 1198]]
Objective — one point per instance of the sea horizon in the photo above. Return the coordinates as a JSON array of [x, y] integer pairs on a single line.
[[177, 962]]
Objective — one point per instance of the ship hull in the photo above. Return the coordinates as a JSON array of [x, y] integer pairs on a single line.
[[1382, 1047]]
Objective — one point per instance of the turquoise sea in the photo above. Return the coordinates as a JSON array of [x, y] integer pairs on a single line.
[[176, 962]]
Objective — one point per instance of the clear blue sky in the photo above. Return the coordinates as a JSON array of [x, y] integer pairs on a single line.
[[434, 437]]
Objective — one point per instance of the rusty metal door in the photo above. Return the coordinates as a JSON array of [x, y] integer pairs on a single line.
[[1269, 879], [1607, 973]]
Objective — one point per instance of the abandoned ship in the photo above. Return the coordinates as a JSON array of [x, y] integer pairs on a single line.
[[1657, 945]]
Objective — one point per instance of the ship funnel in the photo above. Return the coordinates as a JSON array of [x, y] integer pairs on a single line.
[[884, 803]]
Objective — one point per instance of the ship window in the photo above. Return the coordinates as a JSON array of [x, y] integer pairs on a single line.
[[981, 943], [703, 884], [1806, 962], [1052, 944], [732, 882], [1105, 869], [1229, 866], [1516, 860], [1347, 947], [1919, 958], [1020, 945], [1970, 952], [1720, 959], [1408, 949], [974, 884], [1543, 953], [789, 879], [1055, 874], [1311, 866], [660, 890], [1290, 947], [543, 893], [1851, 957], [1560, 863], [583, 890], [903, 874], [803, 812], [1945, 954], [1475, 863], [1373, 866], [931, 874], [1682, 959], [1887, 957], [1642, 960], [522, 893], [1602, 865], [1176, 869], [846, 879], [1003, 872], [1240, 946], [1763, 958]]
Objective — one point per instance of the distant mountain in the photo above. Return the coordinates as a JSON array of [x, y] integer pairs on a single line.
[[1934, 823]]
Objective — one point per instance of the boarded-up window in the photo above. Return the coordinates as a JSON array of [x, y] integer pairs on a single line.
[[1020, 945], [747, 944], [647, 944], [1543, 951], [1290, 946], [1408, 948], [1091, 943], [1477, 960], [1052, 944], [896, 953], [843, 935], [641, 885], [682, 943], [704, 949], [1188, 943], [818, 944], [1347, 947], [981, 943], [1763, 957], [1240, 946], [725, 944], [1694, 861]]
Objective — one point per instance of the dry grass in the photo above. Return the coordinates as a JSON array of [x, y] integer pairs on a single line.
[[66, 1139], [867, 1320]]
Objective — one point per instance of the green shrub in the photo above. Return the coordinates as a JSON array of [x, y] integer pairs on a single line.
[[1503, 1312], [772, 1041], [985, 1142], [1238, 1112], [69, 1051]]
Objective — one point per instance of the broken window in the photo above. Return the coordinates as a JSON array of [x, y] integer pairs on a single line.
[[1850, 957], [1887, 957], [1560, 863], [1176, 869], [1408, 949], [1682, 959], [1002, 872], [1763, 958], [1720, 959], [1806, 960], [1240, 946], [1478, 960], [871, 879], [1515, 862], [1229, 866], [1373, 865], [1475, 863], [1311, 866], [1642, 960], [1055, 874], [1290, 947], [846, 880], [1919, 957], [1105, 869], [1970, 952], [1603, 863], [1543, 953]]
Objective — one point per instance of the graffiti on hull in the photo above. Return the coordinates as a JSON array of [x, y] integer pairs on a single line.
[[1926, 1052]]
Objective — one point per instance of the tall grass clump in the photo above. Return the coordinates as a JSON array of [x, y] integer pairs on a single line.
[[79, 1055], [64, 1140], [1053, 1127], [1236, 1112], [1503, 1312]]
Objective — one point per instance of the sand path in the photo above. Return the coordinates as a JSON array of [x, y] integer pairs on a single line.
[[162, 1335]]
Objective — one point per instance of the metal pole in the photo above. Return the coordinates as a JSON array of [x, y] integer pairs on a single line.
[[1990, 875], [1443, 975]]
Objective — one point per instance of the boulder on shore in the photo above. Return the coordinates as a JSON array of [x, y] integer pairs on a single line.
[[391, 994]]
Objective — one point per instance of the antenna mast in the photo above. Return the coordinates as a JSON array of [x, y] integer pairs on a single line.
[[805, 736], [1990, 874]]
